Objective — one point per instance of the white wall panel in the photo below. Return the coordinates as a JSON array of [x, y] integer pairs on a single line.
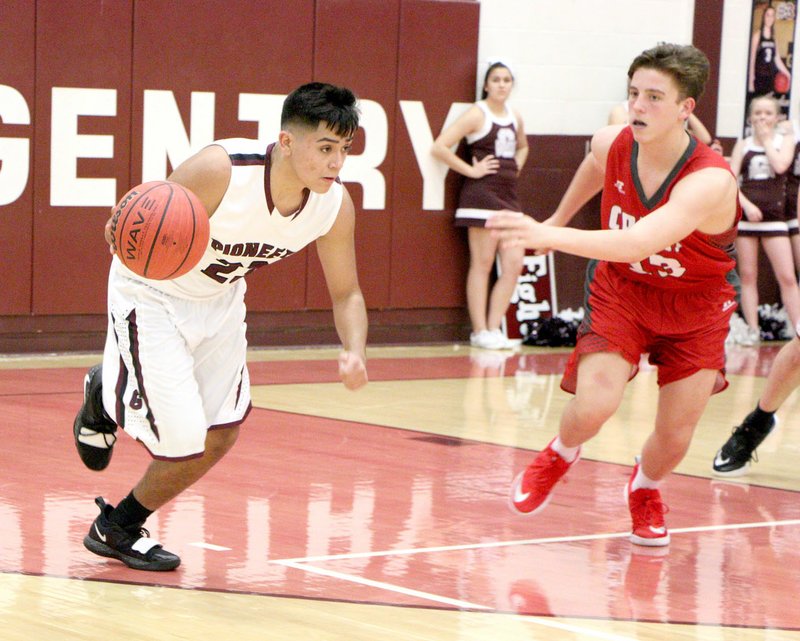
[[570, 57], [733, 67]]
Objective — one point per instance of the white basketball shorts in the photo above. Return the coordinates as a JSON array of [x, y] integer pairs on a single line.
[[174, 368]]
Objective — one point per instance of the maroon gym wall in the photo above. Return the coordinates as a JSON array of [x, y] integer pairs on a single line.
[[78, 44], [227, 48], [412, 262], [54, 260], [17, 55], [369, 64]]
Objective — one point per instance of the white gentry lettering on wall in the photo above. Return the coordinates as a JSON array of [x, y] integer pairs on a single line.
[[167, 141], [14, 152]]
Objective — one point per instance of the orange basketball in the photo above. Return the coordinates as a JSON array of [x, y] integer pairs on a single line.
[[781, 83], [160, 230]]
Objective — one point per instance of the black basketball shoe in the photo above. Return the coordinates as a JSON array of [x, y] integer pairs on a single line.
[[93, 428], [733, 458], [131, 545]]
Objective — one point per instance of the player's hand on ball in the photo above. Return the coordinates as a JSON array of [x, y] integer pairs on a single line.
[[109, 236], [352, 370]]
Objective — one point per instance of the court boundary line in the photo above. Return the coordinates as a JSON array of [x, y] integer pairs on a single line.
[[461, 605], [540, 541], [304, 564]]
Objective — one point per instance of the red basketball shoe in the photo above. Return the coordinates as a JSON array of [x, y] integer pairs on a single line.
[[530, 491], [647, 513]]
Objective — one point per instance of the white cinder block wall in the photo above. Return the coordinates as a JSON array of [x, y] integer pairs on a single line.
[[570, 57]]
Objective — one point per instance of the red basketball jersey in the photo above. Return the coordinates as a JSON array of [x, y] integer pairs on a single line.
[[697, 261]]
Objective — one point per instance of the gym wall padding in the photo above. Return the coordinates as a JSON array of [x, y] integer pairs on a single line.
[[54, 255]]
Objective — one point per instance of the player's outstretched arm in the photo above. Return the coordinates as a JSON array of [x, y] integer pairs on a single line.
[[704, 200], [337, 254]]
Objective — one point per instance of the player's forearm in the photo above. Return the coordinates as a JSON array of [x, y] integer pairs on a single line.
[[520, 157], [699, 130], [350, 318], [619, 246], [780, 161], [440, 152], [744, 201]]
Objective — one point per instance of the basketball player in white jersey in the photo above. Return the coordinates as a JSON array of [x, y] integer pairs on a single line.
[[174, 372]]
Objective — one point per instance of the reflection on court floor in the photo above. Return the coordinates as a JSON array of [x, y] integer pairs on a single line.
[[382, 514]]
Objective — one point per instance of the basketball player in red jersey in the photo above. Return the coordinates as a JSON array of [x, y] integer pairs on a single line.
[[656, 284]]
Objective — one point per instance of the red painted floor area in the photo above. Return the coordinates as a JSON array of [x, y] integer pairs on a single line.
[[393, 516]]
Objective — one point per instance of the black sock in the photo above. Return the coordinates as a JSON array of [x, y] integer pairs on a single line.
[[762, 420], [129, 512]]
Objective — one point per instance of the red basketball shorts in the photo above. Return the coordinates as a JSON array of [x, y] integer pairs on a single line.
[[682, 331]]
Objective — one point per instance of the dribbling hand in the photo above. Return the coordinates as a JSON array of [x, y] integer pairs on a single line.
[[109, 236], [352, 370]]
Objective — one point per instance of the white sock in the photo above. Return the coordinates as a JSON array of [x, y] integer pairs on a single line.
[[567, 453], [641, 480]]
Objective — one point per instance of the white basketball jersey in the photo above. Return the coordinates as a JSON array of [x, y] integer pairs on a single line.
[[247, 231]]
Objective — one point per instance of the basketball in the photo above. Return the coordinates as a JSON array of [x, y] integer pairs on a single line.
[[160, 230], [781, 83]]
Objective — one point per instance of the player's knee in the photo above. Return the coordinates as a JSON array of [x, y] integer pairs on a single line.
[[786, 281], [674, 440], [748, 276], [220, 441], [591, 416], [481, 265], [512, 261], [793, 350]]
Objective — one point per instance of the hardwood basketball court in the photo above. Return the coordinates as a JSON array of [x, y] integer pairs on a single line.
[[382, 514]]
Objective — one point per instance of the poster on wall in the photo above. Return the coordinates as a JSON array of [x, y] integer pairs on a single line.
[[769, 70], [534, 297]]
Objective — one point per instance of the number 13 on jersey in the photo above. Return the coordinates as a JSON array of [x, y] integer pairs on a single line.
[[655, 265]]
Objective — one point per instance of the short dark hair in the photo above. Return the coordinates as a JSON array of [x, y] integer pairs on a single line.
[[686, 64], [316, 102], [492, 67]]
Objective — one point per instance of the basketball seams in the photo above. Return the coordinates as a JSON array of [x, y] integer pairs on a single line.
[[157, 235], [128, 209], [160, 249], [189, 248]]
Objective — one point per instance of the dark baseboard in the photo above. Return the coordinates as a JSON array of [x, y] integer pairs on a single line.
[[87, 332]]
